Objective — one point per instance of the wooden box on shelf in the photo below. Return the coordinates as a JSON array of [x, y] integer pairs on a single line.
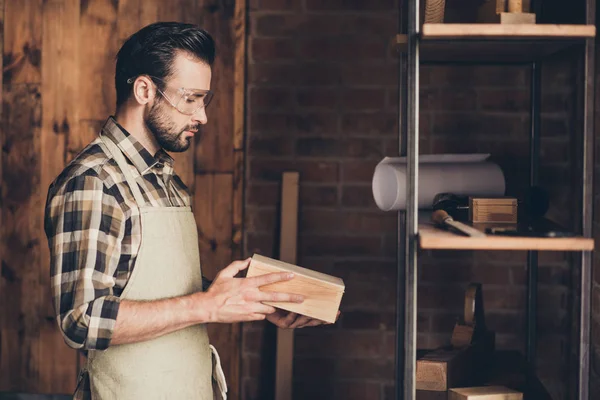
[[323, 293], [484, 393]]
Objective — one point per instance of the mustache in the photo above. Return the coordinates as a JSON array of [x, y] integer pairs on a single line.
[[192, 128]]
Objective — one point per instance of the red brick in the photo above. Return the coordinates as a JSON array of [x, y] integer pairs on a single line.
[[312, 367], [555, 150], [507, 100], [358, 369], [441, 297], [358, 390], [445, 272], [358, 196], [263, 194], [280, 74], [270, 98], [503, 298], [463, 126], [358, 171], [370, 124], [363, 99], [271, 49], [323, 24], [561, 101], [365, 271], [273, 146], [363, 320], [281, 5], [362, 148], [339, 245], [551, 298], [318, 389], [342, 49], [345, 5], [491, 274], [444, 322], [553, 126], [310, 171], [319, 98], [553, 322], [360, 296], [506, 322], [260, 243], [261, 220], [476, 76], [354, 74], [318, 196], [554, 276], [340, 221], [501, 257], [317, 147], [313, 342], [309, 123], [449, 99]]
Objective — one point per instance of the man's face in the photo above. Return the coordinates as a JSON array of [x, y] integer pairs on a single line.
[[172, 129]]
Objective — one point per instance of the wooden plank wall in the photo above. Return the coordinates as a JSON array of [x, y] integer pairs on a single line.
[[56, 90]]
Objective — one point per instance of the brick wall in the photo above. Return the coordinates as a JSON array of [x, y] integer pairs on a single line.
[[322, 90]]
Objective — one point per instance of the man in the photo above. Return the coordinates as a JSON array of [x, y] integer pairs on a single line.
[[126, 278]]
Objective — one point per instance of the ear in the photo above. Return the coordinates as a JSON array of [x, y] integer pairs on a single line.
[[144, 90]]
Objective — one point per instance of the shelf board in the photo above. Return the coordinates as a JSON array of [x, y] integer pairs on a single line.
[[496, 42], [431, 237]]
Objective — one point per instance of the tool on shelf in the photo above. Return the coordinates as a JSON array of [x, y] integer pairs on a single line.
[[442, 218]]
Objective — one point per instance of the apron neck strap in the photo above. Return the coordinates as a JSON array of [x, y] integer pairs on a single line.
[[122, 163]]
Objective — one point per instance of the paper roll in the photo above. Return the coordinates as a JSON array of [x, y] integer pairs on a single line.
[[458, 174]]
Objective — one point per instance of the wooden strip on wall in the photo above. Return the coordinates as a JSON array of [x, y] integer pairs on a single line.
[[287, 253], [60, 80], [134, 15], [97, 51], [22, 41], [213, 212], [21, 238], [215, 150], [182, 11]]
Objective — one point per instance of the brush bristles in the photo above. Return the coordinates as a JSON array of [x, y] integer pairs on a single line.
[[439, 216]]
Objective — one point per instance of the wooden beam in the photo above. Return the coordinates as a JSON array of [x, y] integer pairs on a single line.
[[287, 253], [21, 239], [60, 50]]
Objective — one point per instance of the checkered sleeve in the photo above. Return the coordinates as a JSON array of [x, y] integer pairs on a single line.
[[85, 226]]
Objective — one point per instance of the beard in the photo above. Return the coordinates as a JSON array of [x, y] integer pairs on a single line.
[[167, 134]]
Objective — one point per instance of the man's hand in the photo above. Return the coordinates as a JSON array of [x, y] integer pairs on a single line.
[[234, 299], [289, 320]]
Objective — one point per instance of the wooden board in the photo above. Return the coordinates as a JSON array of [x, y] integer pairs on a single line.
[[322, 293], [98, 47], [506, 32], [495, 42], [22, 41], [58, 368], [21, 238], [484, 393], [288, 238], [431, 237]]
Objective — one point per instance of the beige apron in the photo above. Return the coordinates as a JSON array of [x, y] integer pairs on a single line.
[[179, 365]]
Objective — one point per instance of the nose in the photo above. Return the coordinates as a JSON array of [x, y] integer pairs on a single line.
[[200, 116]]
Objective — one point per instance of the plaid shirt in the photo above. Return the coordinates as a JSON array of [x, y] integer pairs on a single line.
[[93, 228]]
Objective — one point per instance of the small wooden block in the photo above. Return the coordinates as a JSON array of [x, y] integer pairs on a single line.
[[323, 293], [441, 369], [484, 393], [517, 18], [462, 335], [502, 210]]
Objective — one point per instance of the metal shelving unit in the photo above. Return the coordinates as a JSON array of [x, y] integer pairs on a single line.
[[487, 43]]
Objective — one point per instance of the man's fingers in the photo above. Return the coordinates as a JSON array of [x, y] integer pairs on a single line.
[[267, 279], [281, 297], [234, 268], [263, 309], [300, 321]]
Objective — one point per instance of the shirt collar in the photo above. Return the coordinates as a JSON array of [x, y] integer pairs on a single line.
[[133, 149]]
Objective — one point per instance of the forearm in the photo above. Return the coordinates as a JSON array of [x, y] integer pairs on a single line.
[[143, 320]]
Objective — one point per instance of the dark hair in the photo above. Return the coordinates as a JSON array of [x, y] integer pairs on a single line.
[[152, 49]]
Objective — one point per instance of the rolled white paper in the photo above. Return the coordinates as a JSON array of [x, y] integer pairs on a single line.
[[463, 174]]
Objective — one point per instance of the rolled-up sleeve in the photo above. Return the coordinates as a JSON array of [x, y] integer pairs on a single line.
[[84, 224]]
